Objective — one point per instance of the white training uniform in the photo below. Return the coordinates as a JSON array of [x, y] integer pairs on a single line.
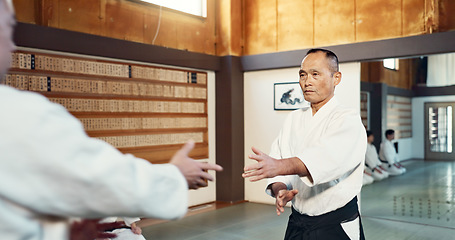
[[389, 157], [372, 161], [387, 152], [332, 146], [50, 169], [371, 156]]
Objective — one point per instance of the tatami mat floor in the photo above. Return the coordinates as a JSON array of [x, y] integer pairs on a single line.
[[418, 205]]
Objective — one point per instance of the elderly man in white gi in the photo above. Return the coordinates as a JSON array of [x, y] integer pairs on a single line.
[[317, 161], [50, 170]]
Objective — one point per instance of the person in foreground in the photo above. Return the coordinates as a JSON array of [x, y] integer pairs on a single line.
[[51, 171], [317, 160]]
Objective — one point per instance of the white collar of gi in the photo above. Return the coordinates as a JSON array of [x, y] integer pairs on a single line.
[[332, 103]]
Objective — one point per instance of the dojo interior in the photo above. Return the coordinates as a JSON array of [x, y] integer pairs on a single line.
[[146, 77]]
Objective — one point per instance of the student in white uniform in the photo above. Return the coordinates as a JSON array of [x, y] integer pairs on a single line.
[[388, 155], [372, 163], [50, 170], [318, 159]]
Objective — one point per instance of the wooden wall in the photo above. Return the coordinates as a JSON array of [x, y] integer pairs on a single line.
[[246, 27], [144, 110], [399, 115], [405, 77], [282, 25], [229, 27], [124, 19]]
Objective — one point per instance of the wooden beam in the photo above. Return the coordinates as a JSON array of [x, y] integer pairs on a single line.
[[46, 38], [354, 52]]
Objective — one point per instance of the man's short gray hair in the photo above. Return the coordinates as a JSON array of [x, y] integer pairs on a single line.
[[331, 57]]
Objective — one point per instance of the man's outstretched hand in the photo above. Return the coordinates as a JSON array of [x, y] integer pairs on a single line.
[[265, 167], [268, 167], [194, 172]]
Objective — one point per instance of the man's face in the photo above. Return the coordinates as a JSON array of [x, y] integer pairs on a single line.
[[370, 138], [391, 136], [7, 23], [316, 79]]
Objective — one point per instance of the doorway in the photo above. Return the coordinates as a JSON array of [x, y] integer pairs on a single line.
[[439, 131]]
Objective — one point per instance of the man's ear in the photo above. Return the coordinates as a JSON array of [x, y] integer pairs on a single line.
[[337, 77]]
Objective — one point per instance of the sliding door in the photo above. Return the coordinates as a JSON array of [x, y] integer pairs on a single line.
[[439, 131]]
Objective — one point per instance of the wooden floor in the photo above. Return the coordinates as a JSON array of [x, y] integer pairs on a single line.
[[419, 205], [191, 211]]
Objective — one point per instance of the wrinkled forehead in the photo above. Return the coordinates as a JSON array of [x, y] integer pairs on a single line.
[[314, 58]]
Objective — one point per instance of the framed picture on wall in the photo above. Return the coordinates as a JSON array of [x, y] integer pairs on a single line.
[[288, 96]]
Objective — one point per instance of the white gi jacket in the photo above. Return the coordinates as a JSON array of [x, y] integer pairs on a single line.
[[387, 152], [50, 170], [371, 156], [332, 146]]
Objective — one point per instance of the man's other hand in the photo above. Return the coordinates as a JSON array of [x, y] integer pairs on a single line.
[[282, 198]]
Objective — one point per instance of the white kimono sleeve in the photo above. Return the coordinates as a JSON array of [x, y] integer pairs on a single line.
[[338, 151], [63, 172], [276, 153]]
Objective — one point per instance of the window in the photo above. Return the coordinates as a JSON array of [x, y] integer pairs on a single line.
[[440, 129], [194, 7], [390, 63]]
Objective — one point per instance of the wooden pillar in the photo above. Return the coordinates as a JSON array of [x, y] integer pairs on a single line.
[[47, 13], [229, 27], [230, 130], [378, 112]]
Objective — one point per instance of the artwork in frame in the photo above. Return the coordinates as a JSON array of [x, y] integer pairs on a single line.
[[288, 96]]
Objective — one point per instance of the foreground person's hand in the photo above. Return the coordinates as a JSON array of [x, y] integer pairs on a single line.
[[194, 172], [89, 229]]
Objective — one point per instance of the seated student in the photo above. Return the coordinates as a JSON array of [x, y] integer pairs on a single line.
[[372, 163], [389, 156]]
